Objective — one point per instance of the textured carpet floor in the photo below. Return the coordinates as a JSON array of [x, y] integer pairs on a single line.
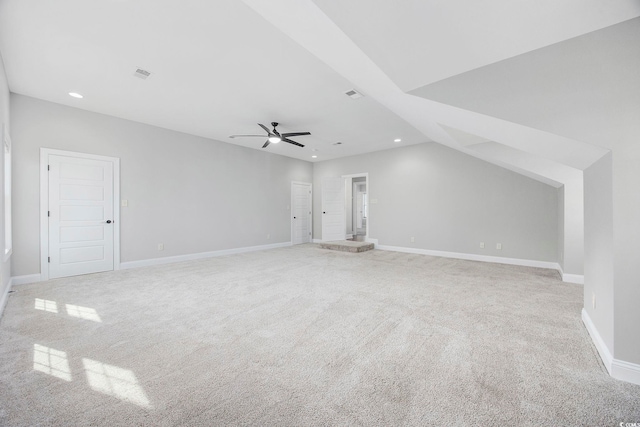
[[306, 336]]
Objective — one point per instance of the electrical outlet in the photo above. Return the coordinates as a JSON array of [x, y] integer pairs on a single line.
[[161, 246], [593, 300], [498, 246], [481, 245], [125, 203], [413, 239]]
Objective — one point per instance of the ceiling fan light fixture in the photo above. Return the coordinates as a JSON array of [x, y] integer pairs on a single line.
[[274, 139]]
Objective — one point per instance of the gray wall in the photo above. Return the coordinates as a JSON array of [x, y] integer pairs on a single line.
[[450, 201], [573, 241], [561, 236], [190, 193], [5, 270], [598, 254], [589, 91]]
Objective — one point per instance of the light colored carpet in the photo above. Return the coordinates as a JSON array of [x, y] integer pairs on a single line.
[[306, 336]]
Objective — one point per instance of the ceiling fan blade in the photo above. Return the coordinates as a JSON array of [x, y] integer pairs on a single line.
[[245, 136], [265, 128], [287, 135], [292, 142], [266, 143]]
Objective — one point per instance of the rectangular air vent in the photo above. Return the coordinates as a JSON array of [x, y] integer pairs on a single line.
[[353, 94], [142, 74]]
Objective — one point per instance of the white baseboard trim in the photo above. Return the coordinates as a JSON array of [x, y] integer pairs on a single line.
[[349, 236], [201, 255], [618, 369], [602, 348], [317, 240], [472, 257], [625, 371], [5, 296], [26, 279], [573, 278]]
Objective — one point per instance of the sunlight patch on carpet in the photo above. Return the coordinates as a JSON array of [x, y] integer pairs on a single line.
[[83, 312], [51, 361], [114, 381], [46, 305]]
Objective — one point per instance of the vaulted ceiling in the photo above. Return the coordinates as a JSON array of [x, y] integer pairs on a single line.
[[495, 79]]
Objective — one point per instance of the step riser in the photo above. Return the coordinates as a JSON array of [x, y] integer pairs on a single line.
[[335, 246]]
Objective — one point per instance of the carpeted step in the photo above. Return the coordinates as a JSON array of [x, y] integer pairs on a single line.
[[347, 246]]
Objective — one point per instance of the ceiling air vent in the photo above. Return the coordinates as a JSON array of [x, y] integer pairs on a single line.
[[142, 74], [353, 94]]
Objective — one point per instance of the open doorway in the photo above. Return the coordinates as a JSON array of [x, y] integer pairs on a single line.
[[356, 207]]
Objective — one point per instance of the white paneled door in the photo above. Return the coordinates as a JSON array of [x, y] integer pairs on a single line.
[[333, 214], [80, 215], [301, 212]]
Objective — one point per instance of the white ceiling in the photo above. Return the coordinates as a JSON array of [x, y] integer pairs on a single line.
[[417, 42], [220, 67]]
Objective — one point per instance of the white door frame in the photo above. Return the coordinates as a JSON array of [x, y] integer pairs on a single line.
[[310, 208], [366, 176], [44, 204]]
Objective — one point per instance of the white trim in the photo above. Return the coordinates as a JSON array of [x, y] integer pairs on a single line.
[[602, 348], [5, 297], [7, 255], [471, 257], [44, 203], [310, 208], [349, 236], [618, 369], [573, 278], [26, 279], [201, 255], [625, 371], [317, 241]]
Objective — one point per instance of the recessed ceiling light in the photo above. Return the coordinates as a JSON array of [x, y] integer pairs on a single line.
[[314, 157], [76, 95], [397, 140]]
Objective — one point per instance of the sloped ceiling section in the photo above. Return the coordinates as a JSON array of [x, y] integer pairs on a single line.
[[338, 47], [219, 68], [417, 42], [574, 88]]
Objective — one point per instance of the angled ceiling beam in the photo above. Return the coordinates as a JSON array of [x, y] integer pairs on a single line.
[[312, 29]]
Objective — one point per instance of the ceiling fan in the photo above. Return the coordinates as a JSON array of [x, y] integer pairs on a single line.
[[273, 137]]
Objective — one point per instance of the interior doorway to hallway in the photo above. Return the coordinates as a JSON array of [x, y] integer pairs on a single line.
[[356, 207]]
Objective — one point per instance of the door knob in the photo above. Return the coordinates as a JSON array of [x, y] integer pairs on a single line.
[[108, 221], [294, 217], [324, 212]]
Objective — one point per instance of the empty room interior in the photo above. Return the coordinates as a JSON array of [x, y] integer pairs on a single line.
[[320, 213]]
